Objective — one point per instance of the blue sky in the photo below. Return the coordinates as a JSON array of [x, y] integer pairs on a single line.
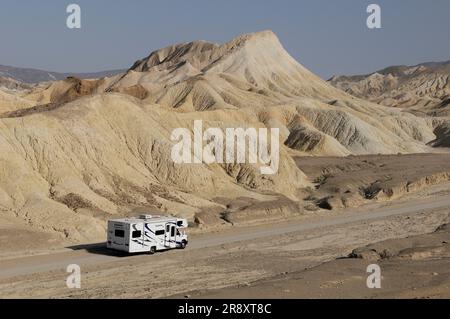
[[327, 36]]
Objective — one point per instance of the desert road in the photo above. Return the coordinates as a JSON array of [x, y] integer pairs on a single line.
[[97, 254]]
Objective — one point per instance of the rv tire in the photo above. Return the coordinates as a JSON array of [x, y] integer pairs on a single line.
[[183, 244], [152, 250]]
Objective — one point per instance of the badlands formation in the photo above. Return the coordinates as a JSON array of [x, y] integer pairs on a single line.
[[424, 88], [76, 152]]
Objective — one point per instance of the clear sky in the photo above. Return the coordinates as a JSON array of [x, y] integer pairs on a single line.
[[327, 36]]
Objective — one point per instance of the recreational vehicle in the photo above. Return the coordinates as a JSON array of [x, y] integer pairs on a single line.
[[147, 233]]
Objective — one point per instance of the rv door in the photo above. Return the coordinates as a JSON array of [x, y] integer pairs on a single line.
[[167, 235], [173, 236], [170, 236]]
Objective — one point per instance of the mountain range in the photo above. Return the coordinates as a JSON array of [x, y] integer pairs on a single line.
[[30, 76]]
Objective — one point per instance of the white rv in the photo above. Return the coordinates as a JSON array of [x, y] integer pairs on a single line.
[[147, 234]]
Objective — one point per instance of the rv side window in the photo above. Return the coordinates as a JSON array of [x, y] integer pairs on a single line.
[[179, 223], [137, 234], [119, 233], [167, 228], [172, 231], [159, 232]]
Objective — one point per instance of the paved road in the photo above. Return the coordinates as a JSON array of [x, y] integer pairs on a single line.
[[96, 254]]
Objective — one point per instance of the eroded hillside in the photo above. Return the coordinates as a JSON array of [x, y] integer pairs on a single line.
[[423, 89], [75, 152]]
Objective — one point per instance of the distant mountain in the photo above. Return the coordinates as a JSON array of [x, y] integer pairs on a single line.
[[423, 88], [27, 75]]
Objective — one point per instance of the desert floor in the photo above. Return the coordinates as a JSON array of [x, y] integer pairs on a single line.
[[306, 256]]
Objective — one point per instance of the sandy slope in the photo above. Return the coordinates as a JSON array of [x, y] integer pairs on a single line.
[[10, 101]]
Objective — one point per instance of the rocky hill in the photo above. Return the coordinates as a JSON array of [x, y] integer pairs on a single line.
[[75, 152]]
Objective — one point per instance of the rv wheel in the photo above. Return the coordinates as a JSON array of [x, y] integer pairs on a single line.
[[183, 244], [152, 250]]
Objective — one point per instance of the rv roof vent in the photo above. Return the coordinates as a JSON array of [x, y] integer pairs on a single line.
[[145, 216]]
